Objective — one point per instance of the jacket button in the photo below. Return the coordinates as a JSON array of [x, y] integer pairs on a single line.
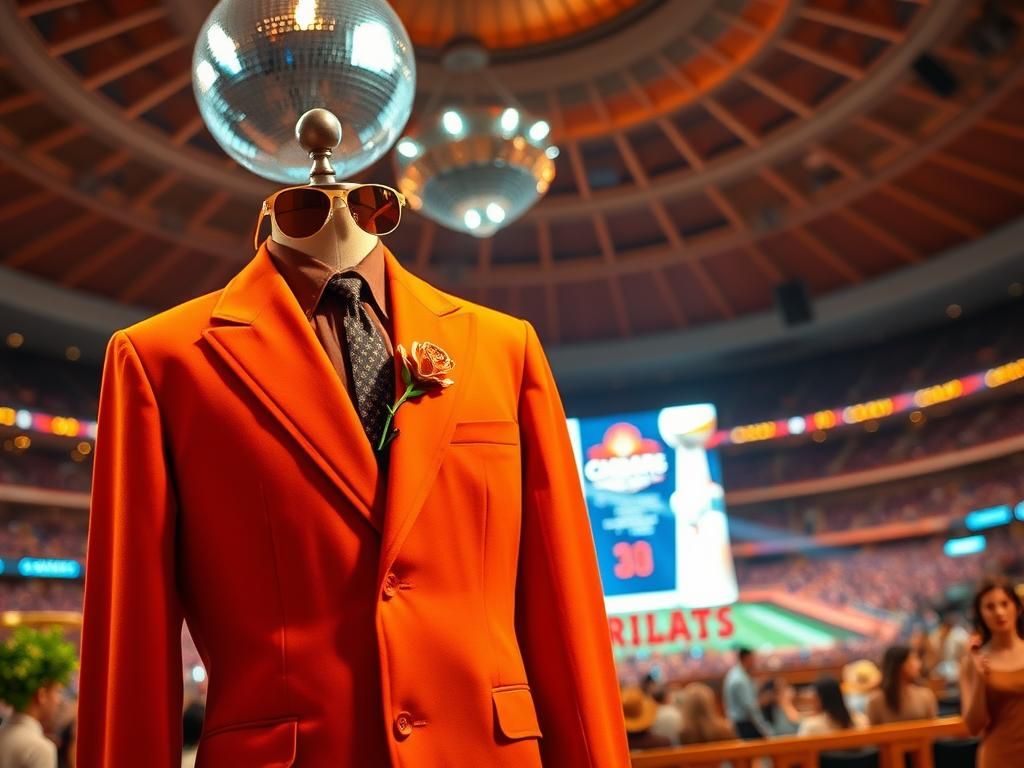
[[403, 725], [390, 585]]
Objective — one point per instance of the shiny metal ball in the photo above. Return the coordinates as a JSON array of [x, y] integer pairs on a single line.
[[318, 129], [259, 65]]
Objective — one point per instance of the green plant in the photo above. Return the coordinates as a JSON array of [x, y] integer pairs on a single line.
[[31, 659]]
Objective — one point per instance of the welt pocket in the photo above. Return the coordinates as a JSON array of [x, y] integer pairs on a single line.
[[499, 432], [515, 712], [266, 744]]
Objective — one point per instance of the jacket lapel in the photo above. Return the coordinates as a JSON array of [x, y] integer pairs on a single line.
[[420, 312], [269, 344]]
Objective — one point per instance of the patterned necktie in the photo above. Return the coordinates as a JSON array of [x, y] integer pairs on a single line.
[[370, 365]]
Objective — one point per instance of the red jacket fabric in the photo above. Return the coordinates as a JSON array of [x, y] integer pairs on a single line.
[[446, 612]]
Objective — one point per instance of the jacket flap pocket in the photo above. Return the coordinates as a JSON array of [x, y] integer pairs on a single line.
[[514, 710], [250, 745], [501, 432]]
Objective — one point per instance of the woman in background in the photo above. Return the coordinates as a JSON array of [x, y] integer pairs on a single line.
[[701, 721], [832, 714], [992, 675], [901, 697]]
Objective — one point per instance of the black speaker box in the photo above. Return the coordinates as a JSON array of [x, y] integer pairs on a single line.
[[793, 303]]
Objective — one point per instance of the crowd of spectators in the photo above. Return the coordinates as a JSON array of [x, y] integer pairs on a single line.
[[852, 449], [57, 387], [827, 380], [900, 578], [45, 467], [33, 531], [952, 493], [887, 367]]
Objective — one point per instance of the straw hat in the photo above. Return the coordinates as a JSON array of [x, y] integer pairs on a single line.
[[638, 710], [861, 676]]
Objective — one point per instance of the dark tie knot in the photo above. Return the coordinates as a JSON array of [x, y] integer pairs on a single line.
[[349, 287]]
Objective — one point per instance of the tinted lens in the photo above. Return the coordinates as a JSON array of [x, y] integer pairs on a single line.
[[376, 209], [301, 212]]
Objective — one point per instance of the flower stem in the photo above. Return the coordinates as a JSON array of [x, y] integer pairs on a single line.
[[391, 414]]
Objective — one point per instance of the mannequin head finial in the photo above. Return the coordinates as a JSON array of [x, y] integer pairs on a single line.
[[318, 132]]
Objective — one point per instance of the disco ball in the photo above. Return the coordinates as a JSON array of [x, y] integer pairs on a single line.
[[476, 169], [260, 64]]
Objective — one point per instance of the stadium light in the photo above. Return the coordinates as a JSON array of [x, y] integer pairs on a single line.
[[990, 517], [967, 545]]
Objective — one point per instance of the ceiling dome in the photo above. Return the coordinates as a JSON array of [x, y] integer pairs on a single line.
[[709, 151]]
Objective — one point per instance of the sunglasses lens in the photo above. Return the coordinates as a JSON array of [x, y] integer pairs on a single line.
[[376, 209], [301, 212]]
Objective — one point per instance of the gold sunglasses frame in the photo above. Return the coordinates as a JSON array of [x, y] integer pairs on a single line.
[[332, 191]]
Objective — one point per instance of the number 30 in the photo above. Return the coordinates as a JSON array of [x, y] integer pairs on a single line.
[[634, 560]]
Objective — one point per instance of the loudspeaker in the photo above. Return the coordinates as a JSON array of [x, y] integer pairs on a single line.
[[936, 75], [793, 303]]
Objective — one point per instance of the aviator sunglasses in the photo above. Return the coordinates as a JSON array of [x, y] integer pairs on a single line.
[[303, 211]]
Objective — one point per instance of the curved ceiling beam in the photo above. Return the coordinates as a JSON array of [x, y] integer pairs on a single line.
[[39, 72], [645, 259], [687, 93], [223, 247], [857, 100]]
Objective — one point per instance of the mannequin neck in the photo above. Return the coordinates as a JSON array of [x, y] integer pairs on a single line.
[[340, 243]]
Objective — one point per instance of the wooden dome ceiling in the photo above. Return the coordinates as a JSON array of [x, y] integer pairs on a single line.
[[508, 27], [709, 151]]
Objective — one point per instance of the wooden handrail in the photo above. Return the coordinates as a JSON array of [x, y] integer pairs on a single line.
[[914, 738]]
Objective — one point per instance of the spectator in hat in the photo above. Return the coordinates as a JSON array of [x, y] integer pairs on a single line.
[[860, 679], [639, 712]]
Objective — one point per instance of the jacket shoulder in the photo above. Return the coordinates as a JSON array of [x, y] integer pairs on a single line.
[[493, 324], [173, 328]]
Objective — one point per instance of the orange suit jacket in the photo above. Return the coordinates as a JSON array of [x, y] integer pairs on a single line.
[[448, 614]]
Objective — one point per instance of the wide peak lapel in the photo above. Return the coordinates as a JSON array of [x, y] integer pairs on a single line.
[[425, 425], [271, 347]]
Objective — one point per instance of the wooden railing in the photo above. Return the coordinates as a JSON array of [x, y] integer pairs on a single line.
[[893, 742]]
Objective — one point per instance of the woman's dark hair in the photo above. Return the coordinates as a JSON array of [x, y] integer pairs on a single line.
[[892, 678], [984, 588], [832, 704], [768, 710]]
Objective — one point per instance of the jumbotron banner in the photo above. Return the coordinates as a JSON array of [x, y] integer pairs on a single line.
[[657, 510]]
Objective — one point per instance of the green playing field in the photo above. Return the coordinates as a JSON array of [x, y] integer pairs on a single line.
[[760, 626], [766, 626]]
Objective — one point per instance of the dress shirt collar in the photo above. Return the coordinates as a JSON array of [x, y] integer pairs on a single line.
[[308, 277]]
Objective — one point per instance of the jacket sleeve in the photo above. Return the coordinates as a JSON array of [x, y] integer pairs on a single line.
[[130, 682], [560, 616]]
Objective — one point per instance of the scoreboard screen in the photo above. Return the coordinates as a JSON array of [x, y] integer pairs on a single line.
[[657, 508]]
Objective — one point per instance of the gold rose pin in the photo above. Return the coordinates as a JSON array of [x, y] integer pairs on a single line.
[[424, 368]]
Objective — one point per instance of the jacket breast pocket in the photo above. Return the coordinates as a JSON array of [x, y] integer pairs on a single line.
[[514, 712], [250, 745], [496, 432]]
